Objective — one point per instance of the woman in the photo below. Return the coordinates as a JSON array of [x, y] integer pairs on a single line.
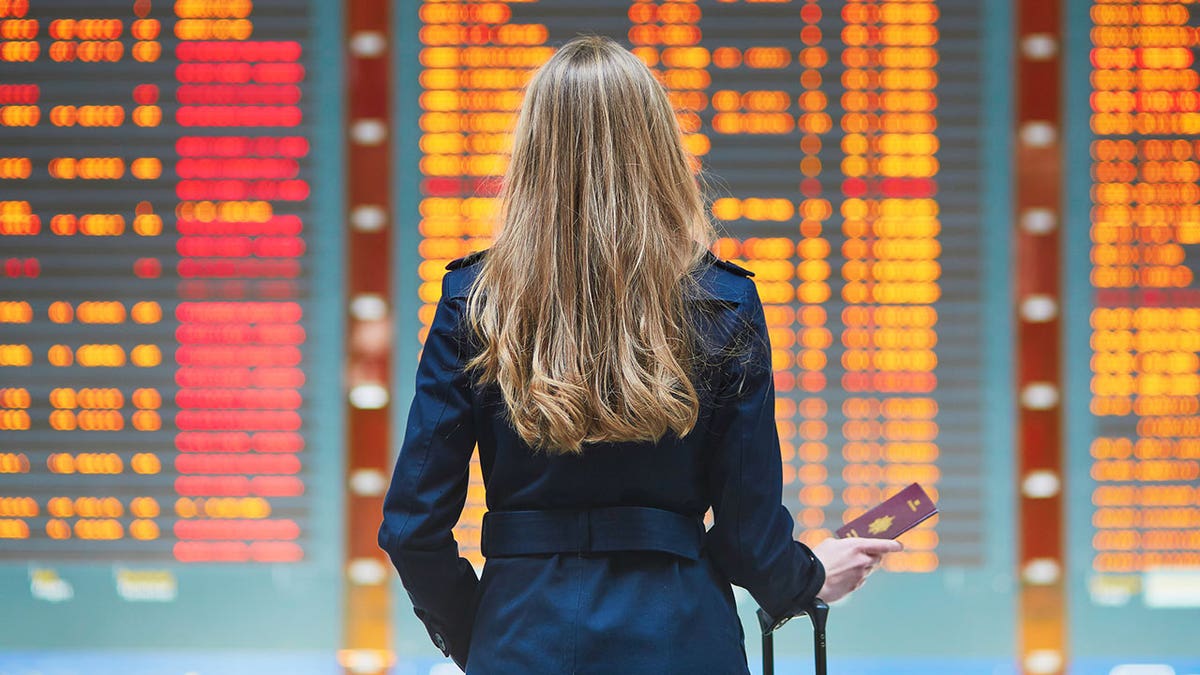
[[617, 379]]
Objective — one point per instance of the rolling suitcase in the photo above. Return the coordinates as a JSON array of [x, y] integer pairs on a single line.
[[818, 612]]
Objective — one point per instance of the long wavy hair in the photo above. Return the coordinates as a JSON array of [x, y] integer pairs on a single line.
[[579, 305]]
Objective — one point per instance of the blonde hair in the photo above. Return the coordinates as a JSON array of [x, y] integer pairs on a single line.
[[579, 303]]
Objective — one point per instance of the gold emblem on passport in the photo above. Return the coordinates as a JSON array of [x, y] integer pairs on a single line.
[[901, 512], [880, 524]]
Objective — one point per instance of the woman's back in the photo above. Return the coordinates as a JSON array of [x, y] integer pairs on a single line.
[[598, 562], [616, 378], [629, 612]]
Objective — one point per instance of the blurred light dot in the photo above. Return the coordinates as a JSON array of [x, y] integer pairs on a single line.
[[1042, 661], [1040, 484], [1039, 221], [1038, 134], [368, 307], [368, 396], [1039, 46], [368, 218], [367, 43], [368, 132], [363, 660], [366, 572], [368, 482], [1039, 396], [1042, 571], [1039, 308]]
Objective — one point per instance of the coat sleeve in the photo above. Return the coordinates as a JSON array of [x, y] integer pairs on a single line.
[[751, 541], [429, 488]]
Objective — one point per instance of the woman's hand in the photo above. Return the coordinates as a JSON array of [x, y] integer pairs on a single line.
[[848, 562]]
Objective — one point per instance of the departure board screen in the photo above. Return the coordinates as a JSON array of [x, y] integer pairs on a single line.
[[172, 207], [842, 145], [1134, 331], [167, 437]]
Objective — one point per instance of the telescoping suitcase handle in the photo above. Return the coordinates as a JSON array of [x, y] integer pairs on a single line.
[[818, 611]]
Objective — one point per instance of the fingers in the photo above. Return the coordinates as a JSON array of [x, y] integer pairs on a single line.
[[853, 559], [865, 560], [878, 547]]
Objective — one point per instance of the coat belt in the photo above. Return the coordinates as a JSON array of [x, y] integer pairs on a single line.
[[600, 530]]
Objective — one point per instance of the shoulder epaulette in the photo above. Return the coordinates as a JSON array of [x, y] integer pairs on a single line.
[[726, 265], [470, 259]]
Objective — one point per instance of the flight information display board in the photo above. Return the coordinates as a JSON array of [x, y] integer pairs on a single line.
[[171, 305], [1134, 332], [844, 147], [169, 409]]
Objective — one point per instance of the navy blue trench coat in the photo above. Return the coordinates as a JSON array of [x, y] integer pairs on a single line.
[[623, 612]]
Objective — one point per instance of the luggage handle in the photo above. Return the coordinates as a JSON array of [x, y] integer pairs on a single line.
[[818, 612]]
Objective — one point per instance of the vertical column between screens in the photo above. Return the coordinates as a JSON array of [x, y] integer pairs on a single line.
[[240, 334], [1038, 195], [366, 617]]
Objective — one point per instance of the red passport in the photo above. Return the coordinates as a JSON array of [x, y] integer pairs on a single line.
[[893, 517]]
